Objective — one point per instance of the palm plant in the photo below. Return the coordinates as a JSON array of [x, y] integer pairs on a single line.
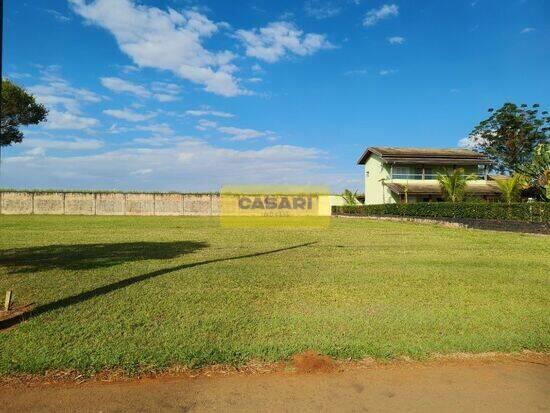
[[453, 184], [350, 198], [511, 187], [538, 171]]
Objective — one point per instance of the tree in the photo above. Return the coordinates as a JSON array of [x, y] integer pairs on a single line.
[[538, 171], [453, 184], [350, 198], [19, 108], [509, 136], [511, 187]]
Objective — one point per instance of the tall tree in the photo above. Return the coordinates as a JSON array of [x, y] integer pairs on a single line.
[[19, 108], [509, 136]]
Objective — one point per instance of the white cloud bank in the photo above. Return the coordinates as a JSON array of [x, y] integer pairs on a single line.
[[185, 164]]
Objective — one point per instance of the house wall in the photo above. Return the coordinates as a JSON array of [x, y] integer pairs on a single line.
[[375, 173]]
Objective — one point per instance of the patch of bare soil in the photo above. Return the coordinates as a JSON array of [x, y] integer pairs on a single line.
[[313, 362]]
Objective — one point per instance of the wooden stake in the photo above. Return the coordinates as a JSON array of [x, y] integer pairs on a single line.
[[7, 303]]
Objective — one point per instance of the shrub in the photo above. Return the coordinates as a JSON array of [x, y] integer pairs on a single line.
[[525, 211]]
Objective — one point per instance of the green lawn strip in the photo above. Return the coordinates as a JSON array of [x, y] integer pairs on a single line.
[[144, 293]]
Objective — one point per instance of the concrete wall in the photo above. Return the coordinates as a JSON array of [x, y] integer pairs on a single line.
[[169, 204], [76, 203], [16, 203], [79, 204], [49, 203], [110, 204], [140, 204]]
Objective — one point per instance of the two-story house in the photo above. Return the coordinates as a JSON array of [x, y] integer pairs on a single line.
[[410, 174]]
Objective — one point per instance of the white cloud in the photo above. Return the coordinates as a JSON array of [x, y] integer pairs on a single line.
[[129, 115], [240, 134], [60, 17], [208, 112], [385, 12], [157, 129], [321, 9], [40, 145], [16, 75], [129, 69], [69, 121], [277, 39], [396, 40], [163, 97], [386, 72], [235, 134], [118, 85], [527, 30], [57, 93], [166, 40], [115, 129], [255, 79], [257, 68], [474, 142], [145, 171], [164, 92], [205, 124], [356, 72]]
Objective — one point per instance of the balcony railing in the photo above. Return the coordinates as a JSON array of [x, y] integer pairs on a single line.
[[426, 176]]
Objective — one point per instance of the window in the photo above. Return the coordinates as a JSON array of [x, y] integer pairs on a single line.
[[406, 172]]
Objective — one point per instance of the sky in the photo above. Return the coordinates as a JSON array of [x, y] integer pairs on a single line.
[[185, 95]]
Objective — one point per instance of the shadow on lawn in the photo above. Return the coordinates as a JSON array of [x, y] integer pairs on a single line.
[[78, 298], [89, 256]]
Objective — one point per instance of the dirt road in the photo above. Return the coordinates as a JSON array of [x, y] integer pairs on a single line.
[[511, 385]]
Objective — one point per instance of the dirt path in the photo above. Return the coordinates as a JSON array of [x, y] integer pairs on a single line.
[[511, 385]]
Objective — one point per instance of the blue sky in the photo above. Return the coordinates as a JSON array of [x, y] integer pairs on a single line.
[[191, 95]]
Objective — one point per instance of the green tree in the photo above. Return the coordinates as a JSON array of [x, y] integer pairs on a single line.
[[509, 136], [19, 108], [453, 184], [511, 187], [350, 198], [538, 171]]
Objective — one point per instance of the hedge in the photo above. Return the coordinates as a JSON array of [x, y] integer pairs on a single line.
[[525, 211]]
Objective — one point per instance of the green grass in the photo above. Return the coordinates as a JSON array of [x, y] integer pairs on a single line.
[[145, 293]]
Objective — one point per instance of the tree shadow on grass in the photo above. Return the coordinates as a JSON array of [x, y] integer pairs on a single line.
[[90, 256], [78, 298]]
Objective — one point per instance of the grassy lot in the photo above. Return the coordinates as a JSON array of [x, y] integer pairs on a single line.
[[145, 293]]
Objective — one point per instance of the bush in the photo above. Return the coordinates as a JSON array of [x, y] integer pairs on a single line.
[[525, 211]]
